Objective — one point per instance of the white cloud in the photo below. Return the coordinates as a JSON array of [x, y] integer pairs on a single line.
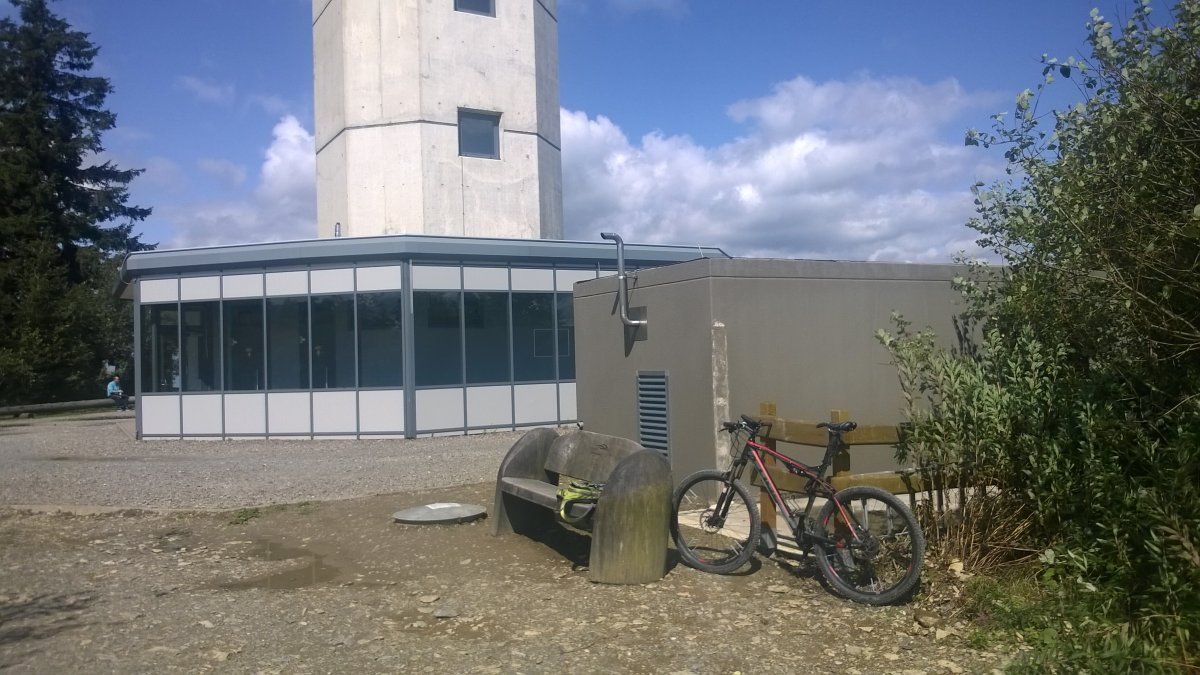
[[281, 207], [847, 170], [207, 91]]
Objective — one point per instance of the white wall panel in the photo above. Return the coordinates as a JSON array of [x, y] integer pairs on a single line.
[[202, 414], [159, 290], [439, 409], [536, 403], [489, 406], [332, 281], [287, 283], [242, 286], [566, 402], [565, 279], [532, 280], [436, 278], [485, 278], [381, 410], [245, 414], [288, 413], [160, 414], [334, 412], [200, 288], [387, 278]]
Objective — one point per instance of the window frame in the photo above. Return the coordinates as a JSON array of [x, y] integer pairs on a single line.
[[467, 10], [318, 305], [276, 309], [491, 114]]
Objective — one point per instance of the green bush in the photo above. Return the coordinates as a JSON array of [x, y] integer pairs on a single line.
[[1080, 402]]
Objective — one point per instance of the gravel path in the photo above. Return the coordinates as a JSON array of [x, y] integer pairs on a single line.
[[92, 460]]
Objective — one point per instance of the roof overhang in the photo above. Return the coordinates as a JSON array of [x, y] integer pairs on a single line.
[[353, 250]]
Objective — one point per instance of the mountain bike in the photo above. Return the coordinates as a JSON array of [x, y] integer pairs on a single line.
[[866, 542]]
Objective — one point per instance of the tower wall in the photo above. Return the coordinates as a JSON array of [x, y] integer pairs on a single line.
[[390, 77]]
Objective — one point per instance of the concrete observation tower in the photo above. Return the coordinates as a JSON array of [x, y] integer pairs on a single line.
[[437, 117]]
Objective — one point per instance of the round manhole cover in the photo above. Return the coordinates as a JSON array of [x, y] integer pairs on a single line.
[[442, 513]]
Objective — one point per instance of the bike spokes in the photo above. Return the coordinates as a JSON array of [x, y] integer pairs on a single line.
[[871, 548], [713, 523]]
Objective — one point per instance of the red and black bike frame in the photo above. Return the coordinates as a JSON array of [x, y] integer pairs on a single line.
[[816, 485]]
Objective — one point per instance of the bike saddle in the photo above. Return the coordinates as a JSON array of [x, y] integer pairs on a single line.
[[838, 426]]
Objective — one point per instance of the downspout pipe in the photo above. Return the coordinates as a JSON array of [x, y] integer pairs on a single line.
[[623, 287]]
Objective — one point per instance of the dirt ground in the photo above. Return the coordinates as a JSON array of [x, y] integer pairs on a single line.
[[339, 587]]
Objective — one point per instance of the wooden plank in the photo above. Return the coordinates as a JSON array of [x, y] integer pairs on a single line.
[[803, 432], [885, 480], [891, 481], [766, 507]]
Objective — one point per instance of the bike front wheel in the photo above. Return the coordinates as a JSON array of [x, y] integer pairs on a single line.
[[869, 546], [714, 522]]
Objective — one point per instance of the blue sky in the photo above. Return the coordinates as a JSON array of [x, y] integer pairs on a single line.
[[775, 127]]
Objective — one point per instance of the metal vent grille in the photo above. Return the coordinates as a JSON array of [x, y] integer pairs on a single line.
[[652, 408]]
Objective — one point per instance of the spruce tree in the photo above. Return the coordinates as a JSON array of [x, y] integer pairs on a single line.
[[64, 216]]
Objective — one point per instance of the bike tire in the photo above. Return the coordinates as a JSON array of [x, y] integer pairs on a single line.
[[707, 544], [851, 569]]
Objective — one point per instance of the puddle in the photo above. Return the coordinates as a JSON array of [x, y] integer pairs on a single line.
[[309, 569]]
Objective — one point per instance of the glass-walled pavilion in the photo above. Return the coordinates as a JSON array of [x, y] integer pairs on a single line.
[[364, 338]]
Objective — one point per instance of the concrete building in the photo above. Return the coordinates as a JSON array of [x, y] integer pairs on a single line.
[[368, 337], [724, 335], [437, 117]]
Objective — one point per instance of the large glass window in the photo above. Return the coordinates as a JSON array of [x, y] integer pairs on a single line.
[[437, 338], [244, 345], [566, 337], [287, 343], [160, 348], [380, 340], [485, 316], [478, 134], [533, 336], [332, 341], [201, 346]]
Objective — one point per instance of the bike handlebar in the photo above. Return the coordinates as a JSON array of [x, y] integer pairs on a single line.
[[747, 422], [751, 424]]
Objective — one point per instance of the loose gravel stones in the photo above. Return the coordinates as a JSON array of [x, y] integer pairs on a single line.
[[86, 461]]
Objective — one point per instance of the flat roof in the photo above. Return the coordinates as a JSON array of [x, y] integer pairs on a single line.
[[331, 252], [780, 268]]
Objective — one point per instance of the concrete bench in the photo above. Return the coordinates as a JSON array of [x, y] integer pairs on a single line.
[[630, 530]]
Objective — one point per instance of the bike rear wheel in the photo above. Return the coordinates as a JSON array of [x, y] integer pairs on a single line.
[[874, 548], [714, 522]]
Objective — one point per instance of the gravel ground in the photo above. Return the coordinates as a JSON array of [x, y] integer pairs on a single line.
[[328, 583], [92, 460], [337, 587]]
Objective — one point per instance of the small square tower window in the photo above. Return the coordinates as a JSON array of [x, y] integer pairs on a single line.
[[478, 134], [484, 7]]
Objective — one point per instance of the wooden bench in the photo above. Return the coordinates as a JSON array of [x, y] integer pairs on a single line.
[[631, 517]]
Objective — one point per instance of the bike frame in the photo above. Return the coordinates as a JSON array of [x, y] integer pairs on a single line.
[[816, 485]]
